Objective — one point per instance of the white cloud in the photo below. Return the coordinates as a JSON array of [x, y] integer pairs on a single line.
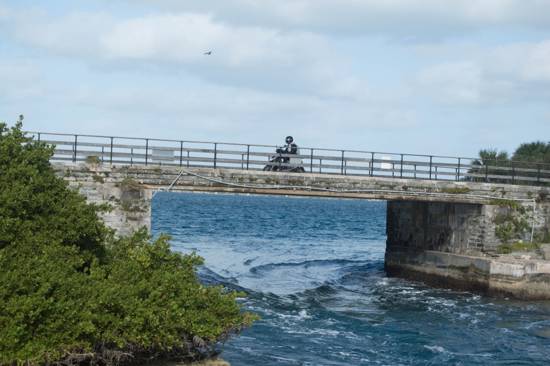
[[20, 80], [414, 18], [536, 66], [249, 56], [74, 34], [454, 82], [150, 107], [4, 12], [503, 74]]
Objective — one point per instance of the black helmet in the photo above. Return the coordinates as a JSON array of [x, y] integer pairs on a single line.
[[289, 140]]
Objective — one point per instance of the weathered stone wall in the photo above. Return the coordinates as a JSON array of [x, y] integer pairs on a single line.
[[522, 278], [456, 245], [129, 201], [462, 228], [446, 227]]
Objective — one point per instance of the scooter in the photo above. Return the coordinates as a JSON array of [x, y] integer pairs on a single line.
[[284, 162]]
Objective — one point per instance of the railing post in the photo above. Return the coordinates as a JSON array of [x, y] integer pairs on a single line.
[[102, 154], [146, 151], [401, 172], [414, 171], [131, 156], [538, 173], [188, 156], [38, 136], [371, 164], [215, 154], [486, 173], [111, 154], [75, 147], [458, 171], [181, 153], [247, 156], [431, 163], [342, 164], [320, 165], [513, 173], [311, 162]]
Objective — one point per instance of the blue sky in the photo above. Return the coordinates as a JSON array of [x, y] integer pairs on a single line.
[[417, 76]]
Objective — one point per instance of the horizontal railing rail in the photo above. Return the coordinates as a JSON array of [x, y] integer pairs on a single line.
[[197, 154]]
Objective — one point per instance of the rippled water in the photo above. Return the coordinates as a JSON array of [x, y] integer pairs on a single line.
[[314, 271]]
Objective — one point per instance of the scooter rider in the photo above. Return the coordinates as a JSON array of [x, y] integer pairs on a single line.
[[291, 147]]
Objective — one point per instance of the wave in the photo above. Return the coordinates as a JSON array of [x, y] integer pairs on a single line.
[[306, 264]]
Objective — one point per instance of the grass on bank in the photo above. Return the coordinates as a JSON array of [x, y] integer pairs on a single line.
[[517, 247]]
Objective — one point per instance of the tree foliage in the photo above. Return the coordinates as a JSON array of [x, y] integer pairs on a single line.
[[534, 152], [529, 159], [71, 293]]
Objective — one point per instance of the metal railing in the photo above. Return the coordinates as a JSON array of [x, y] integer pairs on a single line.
[[194, 154]]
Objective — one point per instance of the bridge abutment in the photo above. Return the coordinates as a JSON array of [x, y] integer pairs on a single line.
[[127, 201], [461, 246]]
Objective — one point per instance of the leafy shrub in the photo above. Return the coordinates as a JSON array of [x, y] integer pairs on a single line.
[[93, 160], [510, 225], [71, 293], [456, 190], [130, 184]]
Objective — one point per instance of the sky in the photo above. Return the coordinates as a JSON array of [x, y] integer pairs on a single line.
[[412, 76]]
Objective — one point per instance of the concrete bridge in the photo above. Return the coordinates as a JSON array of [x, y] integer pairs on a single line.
[[447, 218]]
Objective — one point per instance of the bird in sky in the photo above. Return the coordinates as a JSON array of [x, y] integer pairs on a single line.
[[208, 53]]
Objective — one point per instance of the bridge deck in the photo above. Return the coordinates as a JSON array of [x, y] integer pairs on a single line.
[[299, 184], [197, 154]]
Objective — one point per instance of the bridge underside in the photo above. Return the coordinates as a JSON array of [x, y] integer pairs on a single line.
[[442, 232]]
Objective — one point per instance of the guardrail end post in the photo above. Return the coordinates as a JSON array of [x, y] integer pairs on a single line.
[[146, 151]]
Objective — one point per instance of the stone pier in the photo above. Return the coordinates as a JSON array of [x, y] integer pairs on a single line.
[[461, 246]]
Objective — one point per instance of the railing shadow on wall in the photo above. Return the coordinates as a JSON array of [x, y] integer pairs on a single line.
[[204, 154]]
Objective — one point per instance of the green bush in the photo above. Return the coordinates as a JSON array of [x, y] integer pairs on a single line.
[[511, 225], [93, 160], [517, 247], [72, 293]]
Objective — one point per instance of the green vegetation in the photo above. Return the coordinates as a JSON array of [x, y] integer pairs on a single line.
[[506, 203], [534, 152], [456, 190], [517, 247], [93, 160], [533, 156], [130, 184], [134, 205], [512, 223], [71, 293], [98, 178]]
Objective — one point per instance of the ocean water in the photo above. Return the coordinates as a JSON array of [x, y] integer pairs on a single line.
[[314, 271]]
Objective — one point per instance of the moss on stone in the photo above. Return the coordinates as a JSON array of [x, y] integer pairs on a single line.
[[130, 184], [93, 160], [505, 203], [98, 178], [517, 247], [456, 190]]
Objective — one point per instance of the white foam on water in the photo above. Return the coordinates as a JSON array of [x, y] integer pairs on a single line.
[[436, 349]]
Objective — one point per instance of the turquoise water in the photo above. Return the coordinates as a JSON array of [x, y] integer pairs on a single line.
[[314, 272]]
